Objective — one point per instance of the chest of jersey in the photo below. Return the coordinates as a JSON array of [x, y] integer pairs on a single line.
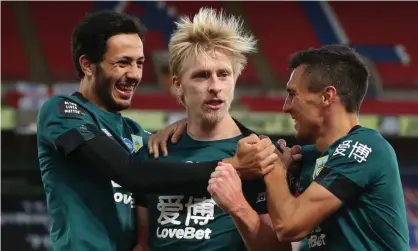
[[192, 222], [182, 222]]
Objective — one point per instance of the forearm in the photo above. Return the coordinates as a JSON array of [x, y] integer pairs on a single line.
[[143, 229], [257, 234], [107, 158], [282, 206]]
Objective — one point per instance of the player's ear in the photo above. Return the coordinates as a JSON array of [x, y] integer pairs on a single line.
[[175, 81], [177, 89], [329, 95], [176, 84], [86, 65]]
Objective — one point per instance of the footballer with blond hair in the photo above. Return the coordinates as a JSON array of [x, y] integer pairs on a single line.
[[206, 55]]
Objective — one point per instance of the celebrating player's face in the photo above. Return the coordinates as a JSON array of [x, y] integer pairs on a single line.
[[120, 71], [303, 106], [206, 86]]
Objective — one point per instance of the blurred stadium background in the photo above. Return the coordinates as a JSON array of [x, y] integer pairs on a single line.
[[36, 63]]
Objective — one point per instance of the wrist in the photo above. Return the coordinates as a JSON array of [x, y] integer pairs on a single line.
[[277, 173], [232, 161], [241, 209]]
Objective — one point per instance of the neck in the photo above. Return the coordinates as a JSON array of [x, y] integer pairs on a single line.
[[335, 127], [86, 89], [201, 130]]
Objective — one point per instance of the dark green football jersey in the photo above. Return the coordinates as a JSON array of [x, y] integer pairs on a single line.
[[194, 222], [361, 169], [309, 156], [303, 245], [87, 212]]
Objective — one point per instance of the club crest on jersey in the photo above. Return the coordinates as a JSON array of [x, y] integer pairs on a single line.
[[129, 144], [137, 142], [319, 165]]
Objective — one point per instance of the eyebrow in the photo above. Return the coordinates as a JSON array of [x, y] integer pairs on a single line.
[[198, 72], [130, 58], [225, 70]]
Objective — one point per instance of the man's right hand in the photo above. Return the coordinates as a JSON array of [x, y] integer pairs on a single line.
[[254, 157], [159, 140]]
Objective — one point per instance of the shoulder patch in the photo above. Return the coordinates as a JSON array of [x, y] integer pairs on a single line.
[[319, 165], [69, 108], [137, 142]]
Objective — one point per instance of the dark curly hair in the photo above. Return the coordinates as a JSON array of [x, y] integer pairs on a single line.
[[91, 34]]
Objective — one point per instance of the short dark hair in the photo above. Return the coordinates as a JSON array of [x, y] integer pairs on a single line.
[[336, 65], [91, 34]]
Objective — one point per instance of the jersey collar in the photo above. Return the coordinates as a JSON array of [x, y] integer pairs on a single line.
[[84, 100]]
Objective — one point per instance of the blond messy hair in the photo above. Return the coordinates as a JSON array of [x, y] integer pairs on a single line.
[[210, 30]]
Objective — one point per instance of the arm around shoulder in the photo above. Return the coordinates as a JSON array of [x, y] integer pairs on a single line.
[[71, 130]]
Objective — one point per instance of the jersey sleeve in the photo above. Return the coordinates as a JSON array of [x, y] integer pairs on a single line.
[[349, 170], [255, 193], [141, 198], [65, 125]]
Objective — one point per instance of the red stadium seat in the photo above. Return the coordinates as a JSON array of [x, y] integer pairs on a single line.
[[156, 102], [191, 8], [54, 22], [282, 29], [384, 23], [14, 62], [154, 40]]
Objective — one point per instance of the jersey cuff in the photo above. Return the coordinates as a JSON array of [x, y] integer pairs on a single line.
[[338, 184], [255, 193]]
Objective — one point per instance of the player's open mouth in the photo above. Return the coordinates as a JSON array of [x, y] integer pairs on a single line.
[[125, 90], [214, 104]]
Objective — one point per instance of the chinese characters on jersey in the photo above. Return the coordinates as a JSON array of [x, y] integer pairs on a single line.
[[357, 151], [199, 211]]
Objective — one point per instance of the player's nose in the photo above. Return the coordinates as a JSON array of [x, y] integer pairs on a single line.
[[215, 85], [134, 74], [286, 107]]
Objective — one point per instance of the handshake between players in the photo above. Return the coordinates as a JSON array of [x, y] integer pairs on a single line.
[[255, 157]]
